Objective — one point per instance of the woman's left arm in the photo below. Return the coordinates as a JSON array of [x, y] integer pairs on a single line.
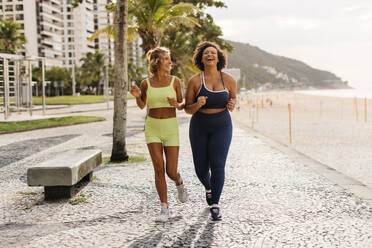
[[177, 103], [231, 87]]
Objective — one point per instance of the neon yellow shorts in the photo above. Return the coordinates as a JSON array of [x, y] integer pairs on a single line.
[[162, 131]]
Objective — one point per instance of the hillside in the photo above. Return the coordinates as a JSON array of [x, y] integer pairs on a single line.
[[259, 68]]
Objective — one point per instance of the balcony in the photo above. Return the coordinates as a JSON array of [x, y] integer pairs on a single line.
[[50, 14], [50, 7], [51, 53], [51, 23], [47, 33]]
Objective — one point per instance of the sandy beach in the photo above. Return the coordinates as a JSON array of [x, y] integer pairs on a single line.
[[335, 131]]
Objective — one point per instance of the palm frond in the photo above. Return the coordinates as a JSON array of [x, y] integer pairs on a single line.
[[107, 31], [181, 20], [132, 33], [183, 8], [178, 10]]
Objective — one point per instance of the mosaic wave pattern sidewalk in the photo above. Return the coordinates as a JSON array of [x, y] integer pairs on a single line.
[[268, 200]]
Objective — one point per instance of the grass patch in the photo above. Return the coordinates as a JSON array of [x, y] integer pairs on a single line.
[[44, 123], [26, 193], [131, 160], [78, 200], [70, 100], [11, 99]]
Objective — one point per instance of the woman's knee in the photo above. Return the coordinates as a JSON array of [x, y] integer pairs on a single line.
[[201, 170], [173, 174], [218, 170]]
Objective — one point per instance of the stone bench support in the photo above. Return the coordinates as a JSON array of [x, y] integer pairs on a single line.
[[59, 174]]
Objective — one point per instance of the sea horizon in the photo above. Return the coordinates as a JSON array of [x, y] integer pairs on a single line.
[[349, 93]]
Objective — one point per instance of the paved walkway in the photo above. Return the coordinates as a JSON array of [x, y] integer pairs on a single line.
[[269, 199]]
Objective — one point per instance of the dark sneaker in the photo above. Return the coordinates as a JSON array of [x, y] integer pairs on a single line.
[[208, 197], [215, 213]]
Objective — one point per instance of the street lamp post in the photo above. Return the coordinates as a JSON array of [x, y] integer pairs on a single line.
[[73, 80], [43, 82], [106, 81]]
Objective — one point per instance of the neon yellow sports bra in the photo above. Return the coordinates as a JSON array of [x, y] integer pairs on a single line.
[[157, 97]]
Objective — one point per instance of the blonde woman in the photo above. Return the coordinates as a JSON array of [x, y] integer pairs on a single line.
[[163, 94]]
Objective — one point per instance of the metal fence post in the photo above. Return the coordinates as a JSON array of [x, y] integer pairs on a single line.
[[43, 82], [30, 86], [6, 89], [17, 85]]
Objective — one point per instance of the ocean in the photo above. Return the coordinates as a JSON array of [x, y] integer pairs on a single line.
[[360, 93]]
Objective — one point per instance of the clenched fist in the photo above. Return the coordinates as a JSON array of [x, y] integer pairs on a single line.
[[202, 100], [231, 104], [172, 101]]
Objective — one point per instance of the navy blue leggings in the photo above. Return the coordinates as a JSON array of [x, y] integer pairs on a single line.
[[210, 138]]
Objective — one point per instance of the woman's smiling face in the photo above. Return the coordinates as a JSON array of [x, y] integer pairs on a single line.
[[165, 62], [210, 56]]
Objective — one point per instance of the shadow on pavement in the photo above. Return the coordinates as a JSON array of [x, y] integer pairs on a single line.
[[185, 239]]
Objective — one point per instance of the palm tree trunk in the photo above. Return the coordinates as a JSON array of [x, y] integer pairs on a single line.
[[119, 151]]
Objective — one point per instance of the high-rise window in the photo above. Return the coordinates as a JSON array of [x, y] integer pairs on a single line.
[[9, 8], [19, 17]]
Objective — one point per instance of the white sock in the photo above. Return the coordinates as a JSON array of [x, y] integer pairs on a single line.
[[179, 179], [208, 191], [215, 206], [163, 204]]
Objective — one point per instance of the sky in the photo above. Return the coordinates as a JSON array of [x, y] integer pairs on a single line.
[[332, 35]]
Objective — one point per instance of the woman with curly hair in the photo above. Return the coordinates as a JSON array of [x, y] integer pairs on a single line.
[[163, 94], [210, 95]]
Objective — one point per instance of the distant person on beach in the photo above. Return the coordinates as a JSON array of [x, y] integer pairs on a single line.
[[209, 96], [163, 94]]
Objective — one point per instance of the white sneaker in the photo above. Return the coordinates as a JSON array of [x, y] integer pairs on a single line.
[[182, 193], [164, 214]]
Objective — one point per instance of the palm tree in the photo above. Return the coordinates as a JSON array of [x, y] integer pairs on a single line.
[[10, 38], [119, 151], [152, 18], [92, 69]]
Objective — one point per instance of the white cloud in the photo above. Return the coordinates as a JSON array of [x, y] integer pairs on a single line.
[[333, 35]]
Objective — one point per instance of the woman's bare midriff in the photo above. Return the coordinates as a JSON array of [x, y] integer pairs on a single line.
[[162, 113], [211, 111]]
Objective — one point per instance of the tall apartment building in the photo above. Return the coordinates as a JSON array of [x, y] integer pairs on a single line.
[[79, 26], [57, 31], [49, 30], [103, 18]]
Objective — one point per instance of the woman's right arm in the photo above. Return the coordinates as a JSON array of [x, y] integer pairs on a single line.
[[190, 106], [140, 94]]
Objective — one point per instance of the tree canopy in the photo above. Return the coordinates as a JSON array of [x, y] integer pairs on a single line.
[[10, 37]]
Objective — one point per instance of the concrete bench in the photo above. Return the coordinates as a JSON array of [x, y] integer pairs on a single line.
[[59, 174]]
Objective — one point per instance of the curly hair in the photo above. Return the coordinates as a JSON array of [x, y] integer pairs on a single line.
[[198, 55], [153, 56]]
